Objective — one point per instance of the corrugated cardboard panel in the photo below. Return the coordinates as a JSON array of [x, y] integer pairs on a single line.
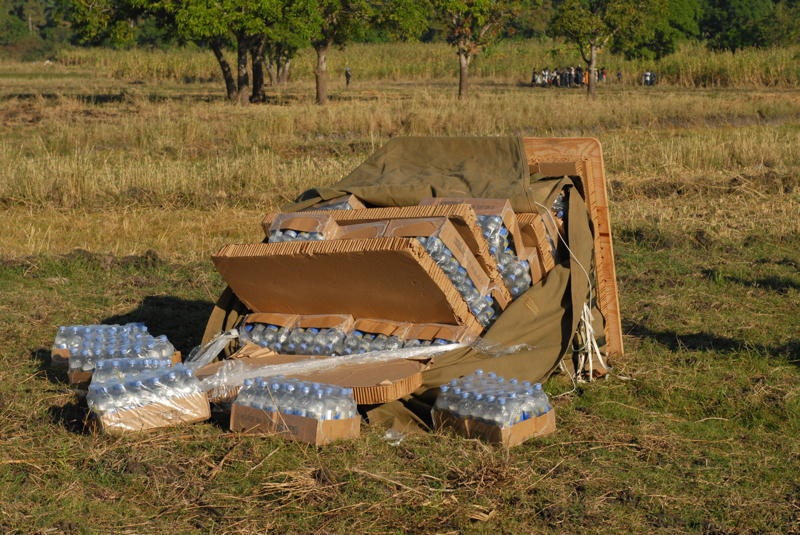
[[442, 228], [185, 409], [389, 278], [498, 207], [509, 436], [462, 216], [292, 427], [378, 382]]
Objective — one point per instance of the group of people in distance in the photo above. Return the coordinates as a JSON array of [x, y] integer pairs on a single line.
[[577, 77], [565, 77]]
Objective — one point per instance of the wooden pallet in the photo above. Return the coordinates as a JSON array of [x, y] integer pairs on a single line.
[[583, 157]]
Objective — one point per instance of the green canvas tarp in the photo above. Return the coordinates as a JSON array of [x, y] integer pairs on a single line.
[[530, 338]]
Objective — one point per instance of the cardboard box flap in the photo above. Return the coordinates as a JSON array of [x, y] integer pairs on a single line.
[[377, 382], [390, 278]]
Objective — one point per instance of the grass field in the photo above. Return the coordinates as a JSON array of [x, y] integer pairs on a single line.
[[115, 191]]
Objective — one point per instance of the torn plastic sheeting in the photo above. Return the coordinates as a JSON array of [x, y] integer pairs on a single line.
[[233, 373], [202, 355]]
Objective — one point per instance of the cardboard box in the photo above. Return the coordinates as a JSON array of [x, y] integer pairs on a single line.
[[462, 216], [83, 378], [389, 278], [442, 228], [298, 428], [303, 222], [271, 318], [379, 326], [536, 236], [489, 207], [185, 409], [374, 382], [342, 322], [508, 436], [347, 202]]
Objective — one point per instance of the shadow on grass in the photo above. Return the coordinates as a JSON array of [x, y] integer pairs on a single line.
[[182, 321], [73, 416], [780, 285], [704, 341], [53, 373]]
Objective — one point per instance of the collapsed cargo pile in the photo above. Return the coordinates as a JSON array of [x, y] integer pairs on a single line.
[[434, 259], [352, 285]]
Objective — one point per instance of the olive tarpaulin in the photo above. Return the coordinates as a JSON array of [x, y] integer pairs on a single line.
[[529, 338]]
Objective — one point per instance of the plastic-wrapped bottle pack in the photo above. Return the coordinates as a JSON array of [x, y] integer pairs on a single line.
[[515, 271], [489, 398], [482, 306], [88, 344], [141, 386], [301, 398]]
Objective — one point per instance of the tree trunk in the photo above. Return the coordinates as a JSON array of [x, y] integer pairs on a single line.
[[227, 73], [321, 73], [283, 72], [257, 59], [464, 58], [242, 77], [590, 87]]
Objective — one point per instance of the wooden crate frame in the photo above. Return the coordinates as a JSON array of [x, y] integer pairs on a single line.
[[583, 158]]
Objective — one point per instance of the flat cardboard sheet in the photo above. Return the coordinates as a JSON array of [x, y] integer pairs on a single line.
[[185, 409], [389, 278], [509, 436], [317, 432]]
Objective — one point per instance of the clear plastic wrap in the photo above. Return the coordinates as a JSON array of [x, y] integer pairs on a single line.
[[300, 398], [226, 381], [489, 398], [148, 398], [202, 355], [88, 344], [516, 271]]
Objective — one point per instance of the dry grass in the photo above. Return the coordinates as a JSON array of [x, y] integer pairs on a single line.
[[696, 429]]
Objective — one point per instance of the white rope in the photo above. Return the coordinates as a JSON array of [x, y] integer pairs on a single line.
[[590, 349]]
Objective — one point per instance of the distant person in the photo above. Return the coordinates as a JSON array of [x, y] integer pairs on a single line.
[[602, 74], [347, 75], [619, 77]]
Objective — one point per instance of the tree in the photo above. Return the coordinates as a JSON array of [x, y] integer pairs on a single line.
[[219, 24], [735, 24], [592, 24], [471, 26], [340, 21], [298, 22], [679, 20]]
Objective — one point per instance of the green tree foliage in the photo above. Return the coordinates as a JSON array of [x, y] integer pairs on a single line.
[[592, 25], [664, 27], [341, 21], [471, 25], [735, 24], [298, 22]]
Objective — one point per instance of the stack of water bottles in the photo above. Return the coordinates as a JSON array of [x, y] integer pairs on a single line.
[[481, 306], [144, 381], [289, 235], [515, 271], [332, 342], [559, 209], [489, 398], [88, 344], [300, 398]]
